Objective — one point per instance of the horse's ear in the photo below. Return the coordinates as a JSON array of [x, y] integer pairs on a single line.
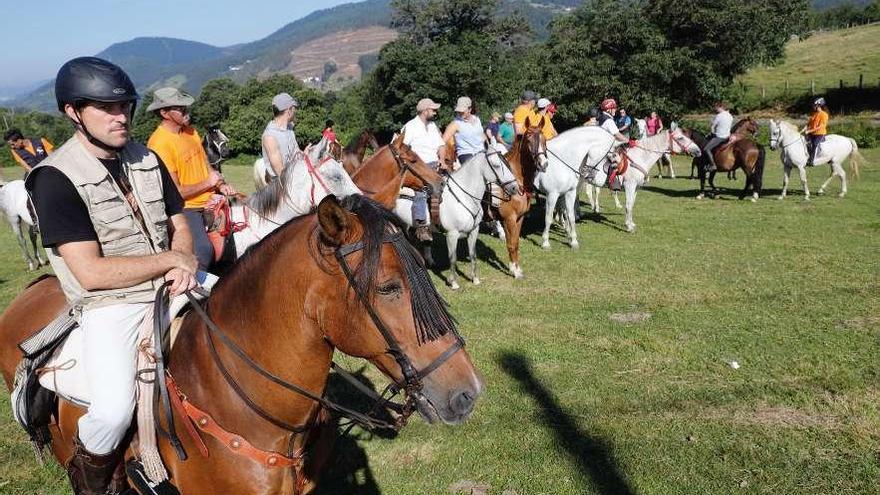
[[542, 122], [333, 220], [528, 122]]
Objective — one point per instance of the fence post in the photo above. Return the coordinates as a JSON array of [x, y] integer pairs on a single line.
[[786, 86], [763, 93], [860, 80], [841, 84], [812, 87]]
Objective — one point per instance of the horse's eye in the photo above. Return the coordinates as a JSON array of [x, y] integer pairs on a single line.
[[391, 288]]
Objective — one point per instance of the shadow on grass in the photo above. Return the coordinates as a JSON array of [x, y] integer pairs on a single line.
[[348, 468], [590, 454]]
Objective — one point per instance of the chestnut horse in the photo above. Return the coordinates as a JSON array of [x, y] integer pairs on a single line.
[[523, 159], [744, 153], [353, 153], [339, 279], [392, 167]]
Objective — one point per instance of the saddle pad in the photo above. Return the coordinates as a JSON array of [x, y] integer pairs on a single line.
[[64, 374]]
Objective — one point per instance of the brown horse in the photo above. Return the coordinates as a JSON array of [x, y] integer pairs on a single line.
[[523, 159], [353, 153], [339, 279], [394, 166], [742, 152]]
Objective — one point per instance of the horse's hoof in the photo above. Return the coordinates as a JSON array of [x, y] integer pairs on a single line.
[[820, 192], [701, 196], [31, 267], [575, 245], [780, 198], [631, 228], [840, 195], [545, 245], [477, 281], [454, 285], [518, 274], [806, 198], [503, 237]]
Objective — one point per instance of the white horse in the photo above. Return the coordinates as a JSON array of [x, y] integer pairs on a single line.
[[299, 189], [647, 152], [793, 149], [461, 207], [568, 156], [13, 201]]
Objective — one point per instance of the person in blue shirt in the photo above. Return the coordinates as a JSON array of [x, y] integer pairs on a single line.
[[624, 122]]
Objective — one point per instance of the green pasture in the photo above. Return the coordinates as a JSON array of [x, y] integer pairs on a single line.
[[608, 369], [825, 58]]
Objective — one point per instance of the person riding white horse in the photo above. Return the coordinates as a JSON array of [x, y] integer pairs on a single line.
[[423, 137], [834, 151], [279, 145]]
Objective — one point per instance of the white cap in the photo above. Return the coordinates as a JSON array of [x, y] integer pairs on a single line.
[[543, 103], [426, 103], [463, 103]]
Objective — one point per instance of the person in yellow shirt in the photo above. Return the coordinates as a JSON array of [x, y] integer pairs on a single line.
[[525, 110], [547, 130], [27, 152], [816, 128], [180, 147]]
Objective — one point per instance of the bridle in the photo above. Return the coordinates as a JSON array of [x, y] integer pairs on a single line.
[[798, 139], [405, 166]]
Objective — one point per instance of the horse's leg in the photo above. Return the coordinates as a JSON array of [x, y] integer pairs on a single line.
[[549, 208], [570, 197], [499, 228], [451, 249], [512, 225], [17, 226], [701, 174], [670, 165], [32, 232], [835, 170], [472, 253], [842, 174], [786, 172], [616, 195], [629, 188]]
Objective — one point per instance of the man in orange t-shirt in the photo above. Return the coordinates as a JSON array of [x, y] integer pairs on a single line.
[[816, 128], [180, 148]]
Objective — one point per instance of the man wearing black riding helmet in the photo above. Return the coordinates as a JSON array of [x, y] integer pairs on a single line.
[[110, 218]]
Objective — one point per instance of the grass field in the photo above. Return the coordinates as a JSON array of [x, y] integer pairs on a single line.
[[608, 370], [824, 57]]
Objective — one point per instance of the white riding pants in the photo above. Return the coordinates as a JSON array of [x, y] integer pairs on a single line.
[[110, 359]]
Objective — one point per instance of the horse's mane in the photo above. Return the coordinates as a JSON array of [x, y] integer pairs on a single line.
[[267, 200], [787, 125], [430, 312]]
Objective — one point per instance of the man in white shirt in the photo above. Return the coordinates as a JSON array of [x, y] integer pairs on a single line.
[[720, 130], [423, 136]]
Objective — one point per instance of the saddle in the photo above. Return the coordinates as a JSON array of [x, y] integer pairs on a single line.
[[51, 369], [220, 225], [733, 139]]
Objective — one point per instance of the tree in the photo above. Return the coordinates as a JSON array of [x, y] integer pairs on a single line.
[[425, 21], [329, 69], [214, 102]]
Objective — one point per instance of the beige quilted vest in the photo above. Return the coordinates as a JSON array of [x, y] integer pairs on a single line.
[[119, 231]]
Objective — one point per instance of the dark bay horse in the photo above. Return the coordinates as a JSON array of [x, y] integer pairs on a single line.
[[354, 152], [338, 279], [523, 159], [394, 166], [744, 153]]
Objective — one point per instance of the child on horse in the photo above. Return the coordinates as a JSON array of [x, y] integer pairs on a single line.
[[816, 128], [720, 133]]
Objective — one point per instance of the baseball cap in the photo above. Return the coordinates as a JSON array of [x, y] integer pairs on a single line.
[[463, 104], [543, 103], [283, 101], [426, 103], [529, 95]]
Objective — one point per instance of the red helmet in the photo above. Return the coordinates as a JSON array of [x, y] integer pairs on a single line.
[[609, 104]]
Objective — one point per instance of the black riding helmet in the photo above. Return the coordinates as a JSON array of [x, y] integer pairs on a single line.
[[92, 79]]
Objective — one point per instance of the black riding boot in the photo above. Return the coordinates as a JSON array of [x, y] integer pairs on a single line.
[[92, 474]]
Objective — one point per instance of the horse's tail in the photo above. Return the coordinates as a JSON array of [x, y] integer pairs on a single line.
[[259, 178], [758, 180], [855, 158]]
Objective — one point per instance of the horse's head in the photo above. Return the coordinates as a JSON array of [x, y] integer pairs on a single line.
[[536, 143], [498, 170], [681, 144], [746, 125], [775, 134], [216, 145], [334, 149], [379, 303], [370, 139], [336, 178], [416, 174]]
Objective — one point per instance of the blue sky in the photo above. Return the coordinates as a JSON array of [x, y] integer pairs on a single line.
[[38, 36]]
